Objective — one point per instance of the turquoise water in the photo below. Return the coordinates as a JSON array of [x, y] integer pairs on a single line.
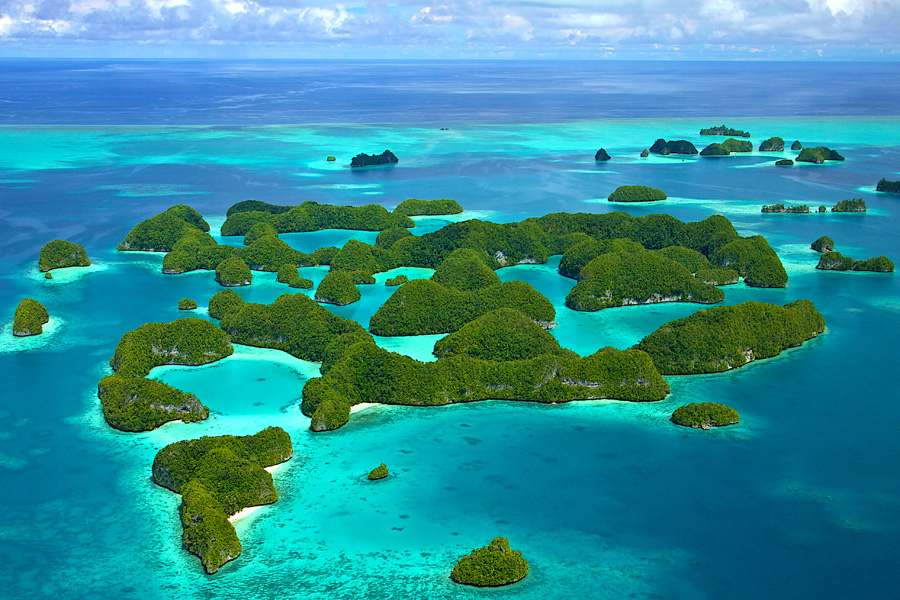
[[606, 499]]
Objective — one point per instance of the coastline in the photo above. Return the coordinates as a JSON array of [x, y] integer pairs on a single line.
[[362, 406], [246, 512]]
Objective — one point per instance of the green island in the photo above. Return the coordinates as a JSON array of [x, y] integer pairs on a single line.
[[491, 566], [379, 472], [636, 193], [733, 145], [823, 244], [160, 232], [288, 273], [312, 216], [692, 259], [724, 130], [715, 149], [835, 261], [29, 318], [754, 259], [59, 254], [718, 276], [217, 477], [140, 404], [645, 153], [601, 155], [502, 334], [233, 272], [784, 162], [782, 209], [705, 415], [818, 155], [337, 288], [369, 160], [187, 304], [259, 230], [892, 187], [355, 370], [726, 337], [395, 281], [852, 205], [413, 207], [773, 144], [665, 148], [796, 145]]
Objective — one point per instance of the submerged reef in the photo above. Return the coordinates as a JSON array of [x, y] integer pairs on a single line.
[[493, 565], [413, 207], [59, 254], [217, 477], [835, 261], [636, 193], [705, 415], [29, 318], [368, 160]]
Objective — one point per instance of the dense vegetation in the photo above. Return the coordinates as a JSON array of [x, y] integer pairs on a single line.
[[367, 160], [636, 193], [718, 276], [260, 230], [626, 278], [217, 477], [385, 239], [645, 153], [395, 281], [852, 205], [691, 259], [413, 207], [29, 318], [62, 253], [663, 147], [337, 288], [823, 244], [502, 334], [796, 145], [256, 206], [715, 149], [888, 186], [781, 208], [233, 272], [312, 216], [733, 145], [754, 259], [465, 269], [288, 274], [784, 162], [578, 256], [139, 404], [294, 323], [835, 261], [187, 341], [601, 155], [773, 144], [160, 232], [818, 155], [724, 130], [379, 472], [727, 337], [494, 565], [703, 415], [187, 304], [356, 370]]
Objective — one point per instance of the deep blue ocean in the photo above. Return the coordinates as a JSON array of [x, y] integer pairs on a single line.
[[605, 499]]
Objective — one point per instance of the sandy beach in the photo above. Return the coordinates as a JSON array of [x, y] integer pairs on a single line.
[[362, 406], [252, 509]]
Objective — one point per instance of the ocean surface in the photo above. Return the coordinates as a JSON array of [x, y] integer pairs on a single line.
[[605, 499]]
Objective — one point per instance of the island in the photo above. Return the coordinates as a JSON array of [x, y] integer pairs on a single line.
[[892, 187], [500, 335], [665, 148], [413, 207], [818, 155], [718, 276], [337, 288], [395, 281], [330, 158], [311, 216], [781, 208], [645, 153], [636, 193], [852, 205], [368, 160], [835, 261], [727, 337], [187, 304], [491, 566], [715, 149], [379, 472], [259, 230], [796, 145], [29, 318], [823, 244], [773, 144], [784, 162], [59, 254], [733, 145], [160, 232], [233, 272], [724, 130], [217, 477], [139, 404], [705, 415], [601, 155], [288, 273]]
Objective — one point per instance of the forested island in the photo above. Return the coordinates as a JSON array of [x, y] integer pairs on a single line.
[[724, 130], [379, 472], [59, 254], [601, 155], [636, 193], [368, 160], [892, 187], [818, 155], [823, 244], [784, 162], [413, 207], [852, 205], [705, 415], [781, 208], [773, 144], [30, 318], [835, 261], [491, 566], [665, 148], [217, 477]]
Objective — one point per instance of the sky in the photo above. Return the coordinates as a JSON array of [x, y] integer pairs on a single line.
[[410, 29]]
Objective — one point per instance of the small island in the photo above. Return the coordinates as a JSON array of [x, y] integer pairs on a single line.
[[784, 162], [835, 261], [782, 209], [773, 144], [715, 149], [645, 153], [330, 159], [665, 148], [733, 145], [259, 230], [892, 187], [233, 272], [818, 155], [413, 207], [796, 145], [601, 155], [139, 404], [395, 281], [187, 304], [500, 335], [379, 472], [337, 288], [289, 274], [369, 160], [30, 318], [852, 205], [823, 244], [724, 130], [160, 232], [636, 193], [59, 254], [491, 566], [705, 415]]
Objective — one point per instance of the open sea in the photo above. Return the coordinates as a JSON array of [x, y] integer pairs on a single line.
[[605, 499]]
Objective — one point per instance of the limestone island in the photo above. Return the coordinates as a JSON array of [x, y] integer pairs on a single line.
[[601, 155], [500, 335], [491, 566], [645, 153], [331, 159], [715, 149], [413, 207], [852, 205], [288, 273], [784, 162], [337, 288], [59, 254], [773, 144], [818, 155], [217, 477], [665, 148], [310, 216], [187, 304], [379, 472], [30, 318], [892, 187], [705, 415], [727, 147], [727, 337], [233, 272], [796, 145], [823, 244], [835, 261], [718, 277], [366, 160], [782, 209], [395, 281], [724, 130], [160, 232], [636, 193]]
